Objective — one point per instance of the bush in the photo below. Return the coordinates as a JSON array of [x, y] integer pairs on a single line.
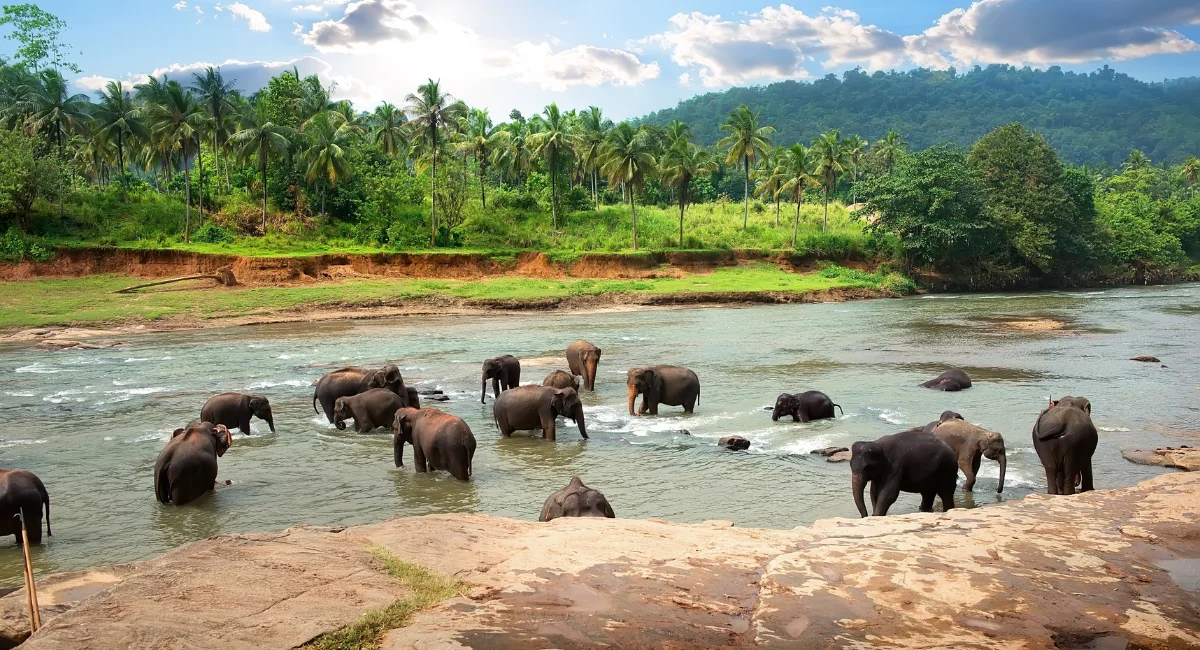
[[576, 200], [508, 198], [14, 247]]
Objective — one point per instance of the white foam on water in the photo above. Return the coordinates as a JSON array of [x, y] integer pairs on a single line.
[[66, 396], [889, 416], [1114, 429], [284, 356], [130, 393], [158, 436], [119, 382], [109, 438], [1012, 477], [635, 338], [19, 443], [141, 359], [39, 368], [18, 394], [297, 383], [801, 446]]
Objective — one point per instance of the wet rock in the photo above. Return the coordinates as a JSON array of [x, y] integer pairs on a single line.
[[1145, 359], [828, 451], [734, 443], [840, 457], [437, 398], [1185, 458], [683, 432], [66, 344], [431, 391]]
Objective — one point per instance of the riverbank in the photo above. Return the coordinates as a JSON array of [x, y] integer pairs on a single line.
[[1107, 567]]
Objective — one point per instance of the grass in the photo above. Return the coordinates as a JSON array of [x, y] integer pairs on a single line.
[[426, 589], [91, 300]]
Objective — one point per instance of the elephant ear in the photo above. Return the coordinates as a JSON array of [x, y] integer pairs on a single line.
[[177, 433], [224, 438], [560, 400]]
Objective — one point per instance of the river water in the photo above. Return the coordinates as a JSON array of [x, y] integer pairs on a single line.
[[90, 423]]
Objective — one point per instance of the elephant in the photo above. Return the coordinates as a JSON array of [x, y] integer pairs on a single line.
[[352, 381], [414, 398], [186, 468], [234, 410], [576, 500], [1065, 439], [909, 461], [505, 373], [439, 440], [370, 410], [953, 379], [525, 408], [582, 359], [970, 444], [946, 416], [22, 491], [803, 407], [561, 379], [670, 385]]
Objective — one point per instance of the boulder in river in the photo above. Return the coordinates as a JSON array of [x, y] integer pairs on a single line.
[[828, 451], [1146, 359], [840, 457], [1184, 458], [734, 443]]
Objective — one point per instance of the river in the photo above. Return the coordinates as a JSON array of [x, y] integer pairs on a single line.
[[90, 423]]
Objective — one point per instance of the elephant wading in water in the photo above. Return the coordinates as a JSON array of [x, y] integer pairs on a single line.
[[370, 410], [803, 407], [526, 408], [560, 379], [910, 461], [439, 440], [670, 385], [576, 500], [235, 409], [505, 373], [22, 491], [187, 467], [953, 379], [1065, 440], [352, 381], [582, 359], [970, 444]]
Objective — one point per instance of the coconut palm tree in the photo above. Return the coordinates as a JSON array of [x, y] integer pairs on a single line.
[[889, 148], [855, 147], [117, 117], [478, 138], [797, 164], [1191, 173], [745, 142], [589, 144], [511, 151], [769, 177], [1136, 161], [178, 119], [387, 129], [257, 140], [432, 113], [829, 165], [682, 163], [552, 140], [217, 96], [628, 160], [50, 107], [325, 159]]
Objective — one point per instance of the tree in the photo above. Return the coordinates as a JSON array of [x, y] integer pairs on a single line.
[[797, 167], [551, 140], [589, 143], [51, 108], [257, 140], [432, 113], [745, 142], [217, 97], [1136, 161], [478, 139], [37, 32], [889, 148], [325, 159], [387, 129], [830, 163], [683, 163], [1191, 173], [24, 176], [178, 119], [117, 117], [855, 148], [770, 177], [628, 161]]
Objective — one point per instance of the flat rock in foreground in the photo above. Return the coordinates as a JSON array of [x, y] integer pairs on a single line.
[[1107, 567]]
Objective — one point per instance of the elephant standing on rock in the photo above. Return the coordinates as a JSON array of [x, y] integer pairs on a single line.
[[505, 373], [186, 468], [582, 359], [670, 385], [560, 379], [235, 409], [439, 440], [1065, 439], [910, 461], [576, 500], [952, 380], [352, 381], [22, 491], [970, 444], [803, 407], [370, 410], [526, 408]]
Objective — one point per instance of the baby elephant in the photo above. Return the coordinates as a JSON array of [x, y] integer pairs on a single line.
[[970, 444], [505, 373], [234, 410], [22, 491], [439, 440], [561, 379], [803, 407], [370, 410], [186, 468], [953, 379], [576, 500]]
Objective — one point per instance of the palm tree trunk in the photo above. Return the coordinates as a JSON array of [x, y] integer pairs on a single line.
[[433, 197], [58, 134], [121, 162], [216, 163], [200, 182], [682, 204], [633, 212], [264, 184], [796, 223], [776, 210], [746, 214], [554, 190], [854, 186], [187, 202], [825, 222], [596, 189]]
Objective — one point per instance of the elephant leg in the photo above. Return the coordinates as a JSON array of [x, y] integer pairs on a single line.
[[874, 493], [327, 407], [1085, 468], [548, 424], [887, 496], [689, 405], [804, 416], [795, 417], [1051, 478], [970, 469], [947, 496], [1067, 473], [244, 425], [419, 459], [459, 467], [927, 501]]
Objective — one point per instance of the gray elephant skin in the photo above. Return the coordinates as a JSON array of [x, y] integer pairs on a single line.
[[234, 410], [952, 380], [971, 444], [582, 359], [186, 468], [22, 491], [804, 407], [526, 408], [561, 379], [576, 500], [909, 461], [370, 410], [505, 373], [440, 441], [1065, 439], [352, 381], [670, 385]]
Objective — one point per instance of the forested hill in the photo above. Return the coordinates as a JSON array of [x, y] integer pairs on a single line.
[[1090, 118]]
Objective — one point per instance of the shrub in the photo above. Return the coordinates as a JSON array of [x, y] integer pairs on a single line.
[[211, 233], [14, 247]]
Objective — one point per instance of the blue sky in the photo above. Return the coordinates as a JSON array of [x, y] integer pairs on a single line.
[[627, 57]]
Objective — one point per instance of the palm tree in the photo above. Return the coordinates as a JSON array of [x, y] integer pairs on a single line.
[[116, 115], [683, 163], [217, 97], [889, 148], [1136, 161], [387, 129], [479, 136], [511, 151], [798, 167], [855, 147], [433, 111], [50, 106], [627, 160], [746, 141], [770, 177], [326, 162], [830, 163], [178, 120], [258, 138], [1191, 173], [552, 139], [589, 144]]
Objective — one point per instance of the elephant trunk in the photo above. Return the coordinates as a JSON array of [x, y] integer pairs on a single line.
[[857, 484], [633, 393], [1003, 466], [577, 415], [589, 376], [483, 394], [270, 419], [340, 424], [398, 451], [775, 413]]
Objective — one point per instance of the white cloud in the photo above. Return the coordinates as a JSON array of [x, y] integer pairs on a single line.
[[297, 29], [582, 65], [199, 10], [308, 8], [685, 79], [180, 6], [257, 21], [367, 23], [93, 82]]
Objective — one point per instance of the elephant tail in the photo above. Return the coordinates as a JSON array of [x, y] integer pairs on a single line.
[[162, 486], [840, 409], [315, 401], [45, 500]]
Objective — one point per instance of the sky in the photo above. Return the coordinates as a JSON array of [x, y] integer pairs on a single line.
[[627, 57]]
